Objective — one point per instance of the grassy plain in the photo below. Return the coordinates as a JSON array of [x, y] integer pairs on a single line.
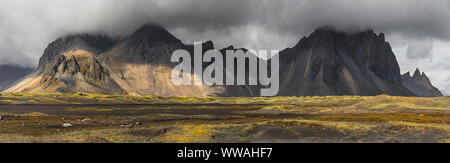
[[255, 119]]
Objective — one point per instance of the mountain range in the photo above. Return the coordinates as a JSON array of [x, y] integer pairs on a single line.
[[420, 84], [328, 62]]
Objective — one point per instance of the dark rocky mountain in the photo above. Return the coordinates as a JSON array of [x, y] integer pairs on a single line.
[[95, 44], [35, 81], [148, 44], [239, 90], [9, 74], [330, 62], [79, 71], [73, 71], [420, 84]]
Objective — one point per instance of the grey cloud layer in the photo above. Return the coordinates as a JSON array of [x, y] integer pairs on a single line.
[[411, 18], [27, 26]]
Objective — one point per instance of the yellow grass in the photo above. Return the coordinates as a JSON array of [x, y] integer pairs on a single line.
[[340, 115], [189, 134]]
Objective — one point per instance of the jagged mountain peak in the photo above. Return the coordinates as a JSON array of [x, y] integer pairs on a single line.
[[75, 61], [333, 62], [325, 36], [84, 36], [78, 71], [148, 44], [420, 84], [71, 71], [93, 43], [209, 43], [407, 74], [231, 47], [151, 33], [96, 43], [417, 73], [333, 31]]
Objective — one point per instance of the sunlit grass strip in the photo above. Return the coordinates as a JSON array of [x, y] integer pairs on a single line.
[[189, 134], [86, 98]]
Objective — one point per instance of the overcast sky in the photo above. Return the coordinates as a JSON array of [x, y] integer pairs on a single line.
[[419, 30]]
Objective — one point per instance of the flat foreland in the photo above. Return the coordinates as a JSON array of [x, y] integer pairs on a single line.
[[38, 117]]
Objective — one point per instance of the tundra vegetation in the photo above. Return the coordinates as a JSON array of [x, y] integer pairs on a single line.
[[97, 118]]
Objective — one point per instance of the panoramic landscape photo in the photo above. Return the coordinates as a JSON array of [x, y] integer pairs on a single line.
[[224, 71]]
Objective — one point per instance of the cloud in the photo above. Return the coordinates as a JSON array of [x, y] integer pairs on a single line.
[[437, 68], [420, 49], [47, 19], [26, 27]]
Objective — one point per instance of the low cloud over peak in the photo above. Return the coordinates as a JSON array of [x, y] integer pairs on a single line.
[[26, 27]]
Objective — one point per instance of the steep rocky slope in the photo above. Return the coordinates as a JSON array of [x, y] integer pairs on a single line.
[[329, 62], [239, 90], [93, 44], [420, 84], [141, 63], [74, 71]]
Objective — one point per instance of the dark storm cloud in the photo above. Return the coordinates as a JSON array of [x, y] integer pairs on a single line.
[[253, 23], [281, 23], [27, 26]]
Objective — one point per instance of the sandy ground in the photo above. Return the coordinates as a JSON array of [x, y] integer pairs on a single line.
[[81, 117], [223, 124]]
